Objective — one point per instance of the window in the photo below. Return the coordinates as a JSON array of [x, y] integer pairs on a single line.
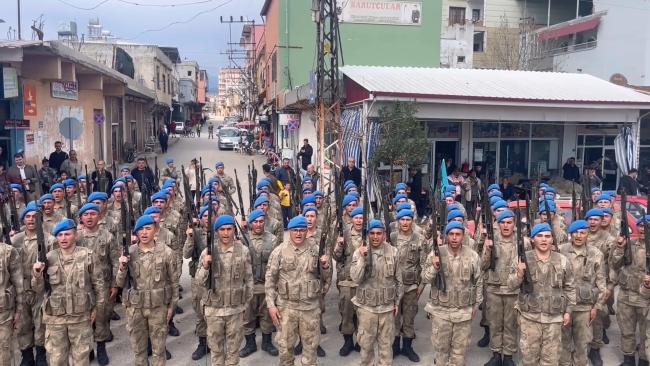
[[476, 15], [164, 83], [169, 84], [513, 159], [515, 130], [274, 66], [461, 59], [456, 15], [485, 130], [201, 76], [544, 157], [189, 73], [158, 77], [479, 41]]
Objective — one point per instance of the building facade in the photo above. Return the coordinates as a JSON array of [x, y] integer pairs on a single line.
[[231, 87]]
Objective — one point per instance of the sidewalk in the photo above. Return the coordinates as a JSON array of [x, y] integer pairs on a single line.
[[151, 155]]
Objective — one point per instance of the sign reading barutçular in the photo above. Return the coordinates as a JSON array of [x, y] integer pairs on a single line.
[[65, 90], [382, 12]]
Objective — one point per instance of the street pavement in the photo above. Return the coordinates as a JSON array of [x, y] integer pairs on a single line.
[[182, 347]]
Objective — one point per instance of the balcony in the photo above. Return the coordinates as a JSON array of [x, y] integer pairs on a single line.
[[459, 21]]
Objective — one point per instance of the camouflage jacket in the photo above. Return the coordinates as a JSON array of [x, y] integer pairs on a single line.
[[11, 282], [106, 251], [380, 290], [590, 277], [506, 253], [411, 251]]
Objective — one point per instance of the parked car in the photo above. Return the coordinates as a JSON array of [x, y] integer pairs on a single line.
[[227, 137], [180, 127]]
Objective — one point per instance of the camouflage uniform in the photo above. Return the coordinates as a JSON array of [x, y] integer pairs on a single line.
[[166, 173], [274, 201], [110, 224], [63, 212], [226, 182], [225, 208], [604, 242], [13, 301], [314, 238], [416, 229], [590, 283], [342, 254], [293, 270], [541, 312], [106, 258], [223, 305], [77, 290], [274, 213], [49, 221], [170, 220], [631, 304], [451, 311], [377, 296], [153, 290], [201, 329]]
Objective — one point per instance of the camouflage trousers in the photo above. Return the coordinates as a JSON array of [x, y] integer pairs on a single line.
[[450, 341], [629, 317], [601, 322], [484, 321], [63, 341], [201, 329], [225, 334], [577, 332], [347, 309], [102, 322], [31, 330], [257, 309], [146, 325], [405, 319], [502, 318], [6, 340], [539, 343], [376, 327], [294, 324]]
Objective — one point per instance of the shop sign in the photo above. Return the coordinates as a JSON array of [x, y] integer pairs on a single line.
[[382, 12], [9, 82], [65, 90], [17, 124]]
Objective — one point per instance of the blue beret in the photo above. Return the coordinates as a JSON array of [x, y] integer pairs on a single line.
[[450, 189], [495, 199], [169, 160], [495, 194], [453, 206], [494, 186], [595, 189], [223, 220], [255, 214], [347, 182], [399, 197], [64, 225], [639, 222], [125, 167], [349, 187], [347, 200], [309, 208], [603, 197], [454, 225], [298, 222], [206, 190], [448, 195], [151, 210], [260, 200], [399, 187], [404, 213], [88, 207], [310, 198], [143, 221], [202, 210], [260, 193], [355, 194], [547, 198], [549, 190], [121, 179], [83, 176], [56, 186], [539, 228], [578, 225], [499, 204], [263, 183], [376, 224], [403, 206], [551, 207], [607, 210], [218, 164], [610, 193], [170, 180], [454, 214], [306, 189], [116, 186], [98, 196], [504, 215], [160, 195], [31, 207], [594, 212], [318, 194], [356, 211], [16, 186], [543, 185], [46, 197], [213, 180], [306, 179], [211, 199]]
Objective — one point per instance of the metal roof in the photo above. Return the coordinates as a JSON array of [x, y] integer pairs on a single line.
[[492, 85], [18, 43]]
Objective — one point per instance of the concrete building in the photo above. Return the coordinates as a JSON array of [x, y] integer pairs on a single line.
[[253, 42], [462, 32], [189, 90], [203, 86], [230, 90]]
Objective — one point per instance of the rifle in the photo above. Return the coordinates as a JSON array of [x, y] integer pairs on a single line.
[[549, 220], [100, 186], [646, 239], [440, 282], [489, 227], [386, 211], [15, 222], [25, 195], [364, 231], [197, 177], [38, 187], [190, 211], [325, 232], [338, 198], [129, 204], [625, 232], [529, 214], [209, 244], [6, 226], [241, 199], [68, 204], [40, 242], [251, 188], [114, 171], [201, 172], [573, 201], [527, 283], [586, 198], [88, 186], [156, 171], [126, 240], [76, 187]]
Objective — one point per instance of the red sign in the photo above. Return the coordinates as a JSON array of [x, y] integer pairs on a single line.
[[29, 101], [17, 124]]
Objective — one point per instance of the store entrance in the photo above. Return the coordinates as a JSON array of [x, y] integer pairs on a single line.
[[447, 150]]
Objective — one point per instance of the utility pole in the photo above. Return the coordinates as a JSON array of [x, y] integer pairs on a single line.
[[328, 89], [19, 32], [248, 70]]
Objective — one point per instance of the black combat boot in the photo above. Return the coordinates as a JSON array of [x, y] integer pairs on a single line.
[[250, 347], [180, 288], [495, 360], [605, 337], [396, 346], [320, 352], [115, 316], [297, 350], [201, 350], [91, 355], [628, 361], [149, 350], [323, 330], [171, 329], [643, 362], [508, 361], [168, 355], [611, 310], [348, 346], [179, 310], [408, 351], [28, 357], [41, 359], [110, 337], [267, 345], [594, 357], [485, 341], [102, 357]]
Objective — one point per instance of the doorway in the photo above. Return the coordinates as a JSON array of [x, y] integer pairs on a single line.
[[444, 150]]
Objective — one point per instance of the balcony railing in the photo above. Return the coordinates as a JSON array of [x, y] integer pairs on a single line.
[[585, 46], [457, 20]]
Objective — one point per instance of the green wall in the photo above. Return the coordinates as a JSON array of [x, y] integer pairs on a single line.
[[363, 44]]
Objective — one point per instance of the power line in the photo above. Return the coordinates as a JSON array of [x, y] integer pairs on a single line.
[[80, 8], [140, 4]]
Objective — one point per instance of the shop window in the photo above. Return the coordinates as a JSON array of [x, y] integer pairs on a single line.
[[513, 160], [443, 129], [609, 140], [645, 132], [515, 130], [644, 157], [485, 130], [485, 153], [544, 157], [544, 130], [594, 140]]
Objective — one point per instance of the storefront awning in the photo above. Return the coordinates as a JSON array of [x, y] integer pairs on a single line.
[[570, 27]]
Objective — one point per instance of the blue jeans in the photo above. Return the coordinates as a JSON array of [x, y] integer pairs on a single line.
[[285, 215]]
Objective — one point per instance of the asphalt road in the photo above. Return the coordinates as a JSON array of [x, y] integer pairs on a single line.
[[182, 347]]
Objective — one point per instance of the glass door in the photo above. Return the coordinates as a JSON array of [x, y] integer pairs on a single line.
[[610, 170]]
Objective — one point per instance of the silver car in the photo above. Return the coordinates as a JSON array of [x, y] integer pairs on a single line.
[[227, 138]]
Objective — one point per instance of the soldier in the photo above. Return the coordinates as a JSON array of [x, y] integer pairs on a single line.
[[50, 218], [17, 191], [148, 271], [293, 289], [11, 287], [60, 204], [342, 254], [126, 170], [400, 188], [229, 282], [453, 310], [590, 283], [74, 294], [632, 303], [272, 211], [70, 192], [106, 255], [606, 223], [348, 203], [384, 280], [410, 255], [226, 180], [262, 243], [118, 199], [454, 214], [500, 300], [106, 221], [265, 185], [169, 171], [544, 311], [223, 196], [273, 226], [557, 223], [82, 186]]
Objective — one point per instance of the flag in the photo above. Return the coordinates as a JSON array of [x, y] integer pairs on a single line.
[[443, 179]]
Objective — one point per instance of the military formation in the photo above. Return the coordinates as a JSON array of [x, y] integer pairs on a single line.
[[543, 290]]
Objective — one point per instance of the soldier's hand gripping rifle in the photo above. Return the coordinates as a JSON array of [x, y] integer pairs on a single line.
[[527, 283], [549, 221], [240, 197], [364, 231], [126, 241], [6, 225], [40, 243], [209, 247], [190, 212], [625, 231], [440, 281], [77, 190]]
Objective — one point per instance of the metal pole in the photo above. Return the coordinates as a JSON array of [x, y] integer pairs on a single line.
[[19, 33], [548, 16]]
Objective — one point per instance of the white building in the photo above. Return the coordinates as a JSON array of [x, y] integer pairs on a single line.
[[230, 91], [188, 72]]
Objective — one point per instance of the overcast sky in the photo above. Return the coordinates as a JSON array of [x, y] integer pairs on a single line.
[[200, 39]]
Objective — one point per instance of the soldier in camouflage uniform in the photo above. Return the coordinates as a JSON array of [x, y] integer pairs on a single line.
[[118, 197], [169, 171], [13, 303], [457, 215], [136, 197], [272, 210], [544, 311], [453, 310], [605, 200], [224, 197], [400, 188], [229, 282], [60, 204], [394, 224], [17, 191], [106, 221], [74, 297], [293, 291], [590, 284], [499, 299], [148, 275], [273, 226], [558, 225], [71, 192], [124, 171], [50, 218], [106, 254], [30, 332], [606, 222], [632, 303], [378, 295], [226, 181], [411, 252]]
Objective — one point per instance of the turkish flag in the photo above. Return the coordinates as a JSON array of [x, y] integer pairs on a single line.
[[29, 101]]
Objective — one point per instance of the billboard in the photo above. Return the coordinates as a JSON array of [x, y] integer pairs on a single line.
[[381, 12]]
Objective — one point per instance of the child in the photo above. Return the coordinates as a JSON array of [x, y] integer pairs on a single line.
[[285, 202]]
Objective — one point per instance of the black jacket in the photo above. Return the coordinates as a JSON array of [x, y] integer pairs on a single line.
[[571, 172], [141, 175], [107, 181], [416, 187], [353, 175], [629, 185], [286, 175], [644, 180], [57, 158], [305, 157]]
